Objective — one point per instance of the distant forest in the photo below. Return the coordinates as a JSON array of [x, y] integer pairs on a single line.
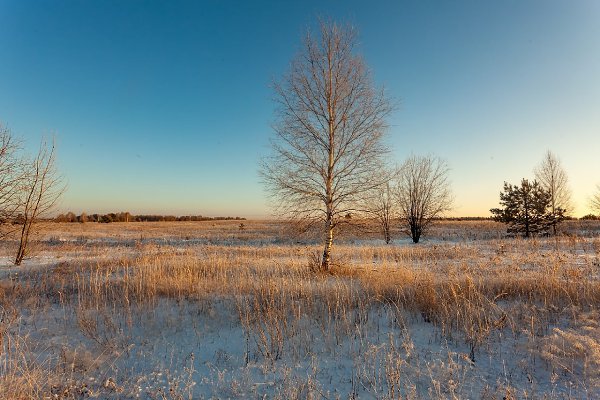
[[128, 217]]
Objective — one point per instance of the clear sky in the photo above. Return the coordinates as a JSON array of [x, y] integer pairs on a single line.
[[166, 107]]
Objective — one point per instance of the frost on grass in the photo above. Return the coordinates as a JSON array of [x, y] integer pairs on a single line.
[[575, 351]]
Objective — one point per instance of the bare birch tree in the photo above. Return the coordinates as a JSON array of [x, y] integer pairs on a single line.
[[328, 133], [42, 187], [423, 193], [553, 178], [595, 201]]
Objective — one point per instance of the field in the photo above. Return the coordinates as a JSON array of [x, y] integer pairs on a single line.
[[217, 310]]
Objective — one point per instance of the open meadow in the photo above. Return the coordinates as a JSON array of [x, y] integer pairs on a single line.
[[217, 310]]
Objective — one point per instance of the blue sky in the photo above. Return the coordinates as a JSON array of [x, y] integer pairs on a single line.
[[166, 106]]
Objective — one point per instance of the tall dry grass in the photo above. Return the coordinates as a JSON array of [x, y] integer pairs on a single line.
[[472, 292]]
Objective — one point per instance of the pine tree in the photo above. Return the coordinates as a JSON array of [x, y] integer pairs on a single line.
[[525, 209]]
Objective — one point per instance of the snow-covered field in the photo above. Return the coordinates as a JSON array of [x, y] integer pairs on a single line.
[[215, 310]]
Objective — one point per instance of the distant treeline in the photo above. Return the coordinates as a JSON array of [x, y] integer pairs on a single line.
[[491, 219], [128, 217], [591, 217], [463, 219]]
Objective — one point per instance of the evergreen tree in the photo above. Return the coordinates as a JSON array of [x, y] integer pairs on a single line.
[[526, 209]]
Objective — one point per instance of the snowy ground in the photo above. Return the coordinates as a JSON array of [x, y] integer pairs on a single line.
[[242, 319]]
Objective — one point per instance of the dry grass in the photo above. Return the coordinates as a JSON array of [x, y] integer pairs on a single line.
[[543, 294]]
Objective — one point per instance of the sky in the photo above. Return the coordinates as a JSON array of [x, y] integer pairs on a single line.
[[167, 107]]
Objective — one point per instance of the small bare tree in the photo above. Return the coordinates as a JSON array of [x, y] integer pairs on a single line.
[[423, 193], [595, 201], [385, 210], [553, 178], [328, 134], [381, 205], [41, 189]]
